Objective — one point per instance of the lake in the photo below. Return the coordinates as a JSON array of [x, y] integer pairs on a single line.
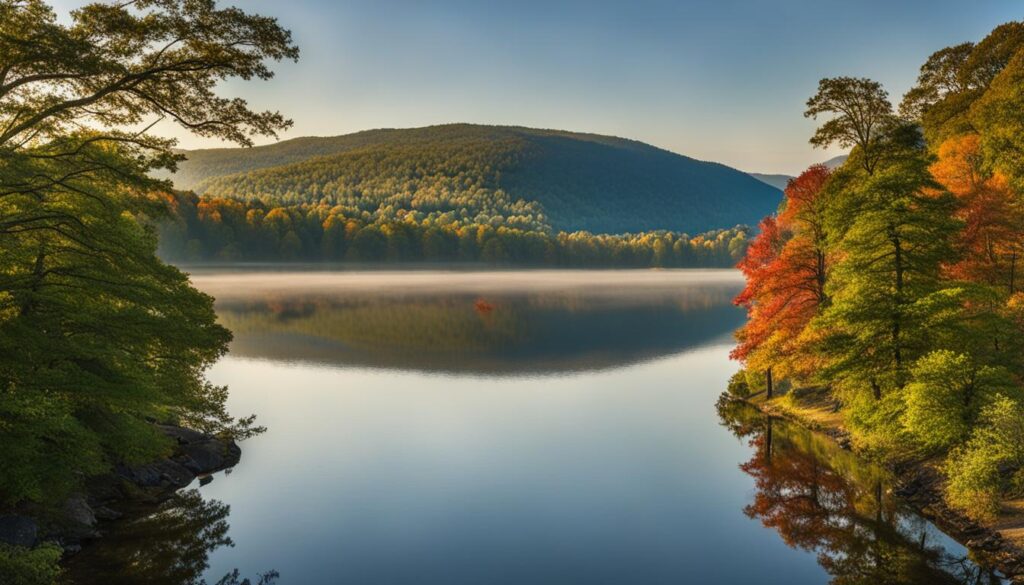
[[512, 427]]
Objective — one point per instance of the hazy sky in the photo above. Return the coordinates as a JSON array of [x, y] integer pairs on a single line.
[[722, 80]]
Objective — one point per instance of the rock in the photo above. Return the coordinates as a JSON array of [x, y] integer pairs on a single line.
[[72, 549], [195, 454], [184, 436], [18, 531], [208, 456], [105, 513], [203, 457], [78, 511], [79, 519], [164, 473], [105, 488]]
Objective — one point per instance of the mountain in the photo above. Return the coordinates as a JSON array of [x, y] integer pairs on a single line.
[[836, 162], [780, 181], [777, 181], [569, 181]]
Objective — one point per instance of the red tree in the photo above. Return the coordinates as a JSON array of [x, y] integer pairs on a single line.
[[785, 268]]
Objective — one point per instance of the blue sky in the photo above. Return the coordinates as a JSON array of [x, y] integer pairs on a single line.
[[722, 80]]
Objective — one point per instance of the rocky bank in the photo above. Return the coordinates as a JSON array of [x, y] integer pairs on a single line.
[[195, 455]]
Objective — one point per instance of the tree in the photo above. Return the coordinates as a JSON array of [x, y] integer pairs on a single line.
[[998, 117], [894, 230], [941, 75], [786, 269], [990, 242], [97, 336], [758, 266], [861, 116], [992, 54], [954, 78]]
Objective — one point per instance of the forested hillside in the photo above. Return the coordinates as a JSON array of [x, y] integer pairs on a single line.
[[485, 174], [889, 283]]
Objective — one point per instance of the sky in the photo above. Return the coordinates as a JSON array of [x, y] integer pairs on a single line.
[[721, 80]]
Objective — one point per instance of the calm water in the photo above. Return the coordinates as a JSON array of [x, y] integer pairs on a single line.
[[520, 427]]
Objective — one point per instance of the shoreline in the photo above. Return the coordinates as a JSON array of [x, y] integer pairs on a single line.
[[920, 486], [107, 497]]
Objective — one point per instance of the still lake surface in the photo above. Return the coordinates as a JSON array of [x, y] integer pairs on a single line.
[[512, 427]]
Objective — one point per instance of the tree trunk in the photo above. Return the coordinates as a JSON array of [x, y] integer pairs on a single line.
[[38, 273], [1013, 272], [820, 278], [770, 385], [897, 353]]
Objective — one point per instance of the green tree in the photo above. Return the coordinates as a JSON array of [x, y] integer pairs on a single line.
[[97, 336], [999, 118], [861, 115], [894, 231], [945, 395], [953, 79]]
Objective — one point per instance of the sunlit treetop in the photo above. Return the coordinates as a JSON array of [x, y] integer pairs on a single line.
[[120, 66]]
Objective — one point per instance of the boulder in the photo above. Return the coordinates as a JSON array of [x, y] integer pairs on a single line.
[[18, 531], [79, 519], [205, 457], [184, 436], [163, 473], [78, 511]]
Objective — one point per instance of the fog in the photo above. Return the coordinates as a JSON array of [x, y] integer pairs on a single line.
[[234, 284]]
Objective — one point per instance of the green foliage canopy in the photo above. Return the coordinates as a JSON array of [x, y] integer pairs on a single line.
[[97, 336]]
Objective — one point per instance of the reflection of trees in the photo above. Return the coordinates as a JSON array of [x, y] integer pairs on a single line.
[[169, 547], [544, 332], [823, 499]]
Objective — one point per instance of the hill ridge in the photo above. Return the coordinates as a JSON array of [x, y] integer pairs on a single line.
[[570, 180]]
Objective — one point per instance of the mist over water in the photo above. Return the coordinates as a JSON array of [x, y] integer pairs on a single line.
[[625, 285]]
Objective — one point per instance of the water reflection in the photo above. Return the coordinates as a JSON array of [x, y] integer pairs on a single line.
[[825, 500], [499, 326], [171, 546], [606, 474]]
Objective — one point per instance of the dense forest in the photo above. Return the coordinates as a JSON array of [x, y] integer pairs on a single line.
[[228, 230], [892, 282], [523, 177]]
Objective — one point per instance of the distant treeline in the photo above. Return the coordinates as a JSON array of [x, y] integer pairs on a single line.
[[229, 230]]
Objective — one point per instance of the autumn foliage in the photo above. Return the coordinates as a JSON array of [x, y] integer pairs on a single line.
[[989, 243], [891, 282], [785, 268]]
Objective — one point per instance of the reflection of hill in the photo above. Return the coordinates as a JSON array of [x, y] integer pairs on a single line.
[[506, 334], [823, 499]]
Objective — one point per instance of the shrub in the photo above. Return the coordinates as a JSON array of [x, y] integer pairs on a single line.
[[976, 482], [21, 566], [738, 386]]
